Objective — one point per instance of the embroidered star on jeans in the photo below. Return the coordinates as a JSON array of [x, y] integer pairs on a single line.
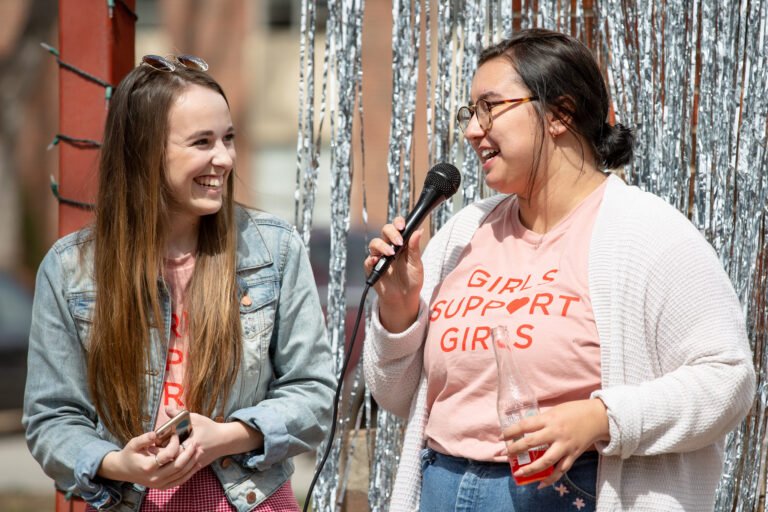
[[579, 503], [563, 490]]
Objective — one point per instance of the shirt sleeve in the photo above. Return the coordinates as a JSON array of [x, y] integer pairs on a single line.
[[393, 362], [60, 420], [695, 334], [296, 412]]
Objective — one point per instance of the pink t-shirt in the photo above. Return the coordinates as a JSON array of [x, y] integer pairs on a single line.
[[203, 491], [177, 273], [537, 286]]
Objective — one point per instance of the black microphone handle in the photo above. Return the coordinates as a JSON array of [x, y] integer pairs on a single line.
[[427, 202]]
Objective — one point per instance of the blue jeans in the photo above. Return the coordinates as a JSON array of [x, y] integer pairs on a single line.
[[456, 484]]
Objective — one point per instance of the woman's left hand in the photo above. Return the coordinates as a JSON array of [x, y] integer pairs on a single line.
[[569, 429], [212, 440], [202, 438]]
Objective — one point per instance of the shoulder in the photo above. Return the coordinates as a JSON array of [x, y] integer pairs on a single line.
[[449, 243], [484, 206], [630, 200], [255, 226], [263, 238], [70, 249], [250, 219], [74, 241], [642, 234], [471, 216], [645, 216], [69, 261]]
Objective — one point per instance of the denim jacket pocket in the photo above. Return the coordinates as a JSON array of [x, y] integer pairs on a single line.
[[257, 312], [81, 306]]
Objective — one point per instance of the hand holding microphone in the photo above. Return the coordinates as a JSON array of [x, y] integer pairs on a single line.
[[399, 289], [402, 277]]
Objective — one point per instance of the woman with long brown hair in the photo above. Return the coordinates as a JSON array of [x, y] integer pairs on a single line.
[[176, 300]]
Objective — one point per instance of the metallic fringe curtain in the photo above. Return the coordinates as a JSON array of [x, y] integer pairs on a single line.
[[691, 76], [341, 93]]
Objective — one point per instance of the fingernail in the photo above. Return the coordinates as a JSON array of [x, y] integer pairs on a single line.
[[390, 251], [399, 240]]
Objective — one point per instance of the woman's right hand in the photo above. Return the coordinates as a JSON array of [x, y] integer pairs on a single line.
[[142, 462], [400, 286]]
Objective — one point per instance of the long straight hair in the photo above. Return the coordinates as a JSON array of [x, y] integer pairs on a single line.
[[132, 219]]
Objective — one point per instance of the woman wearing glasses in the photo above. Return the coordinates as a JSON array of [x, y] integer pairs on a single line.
[[630, 331], [175, 299]]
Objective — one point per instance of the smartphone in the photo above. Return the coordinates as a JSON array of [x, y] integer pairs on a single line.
[[179, 424]]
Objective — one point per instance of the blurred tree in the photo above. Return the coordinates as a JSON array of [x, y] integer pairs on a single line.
[[28, 117]]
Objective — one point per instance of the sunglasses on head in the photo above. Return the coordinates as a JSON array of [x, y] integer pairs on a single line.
[[170, 64]]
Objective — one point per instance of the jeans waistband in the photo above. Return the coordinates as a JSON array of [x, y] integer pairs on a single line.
[[434, 454], [465, 460]]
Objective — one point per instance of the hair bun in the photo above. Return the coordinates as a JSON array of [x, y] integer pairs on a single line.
[[615, 147]]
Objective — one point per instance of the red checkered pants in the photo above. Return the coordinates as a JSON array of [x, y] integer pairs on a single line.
[[204, 493]]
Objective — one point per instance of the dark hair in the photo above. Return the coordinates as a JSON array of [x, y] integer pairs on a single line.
[[563, 74]]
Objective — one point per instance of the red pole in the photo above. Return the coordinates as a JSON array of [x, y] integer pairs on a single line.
[[97, 37], [102, 46]]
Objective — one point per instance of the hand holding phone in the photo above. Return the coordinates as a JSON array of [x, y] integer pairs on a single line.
[[180, 424]]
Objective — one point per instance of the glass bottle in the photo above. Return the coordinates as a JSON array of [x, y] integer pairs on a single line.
[[516, 400]]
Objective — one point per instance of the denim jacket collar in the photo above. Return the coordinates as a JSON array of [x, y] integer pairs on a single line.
[[252, 250]]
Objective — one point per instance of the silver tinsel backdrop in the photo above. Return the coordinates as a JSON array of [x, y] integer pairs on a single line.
[[691, 76]]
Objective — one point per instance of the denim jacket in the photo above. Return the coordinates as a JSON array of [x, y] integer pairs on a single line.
[[284, 387]]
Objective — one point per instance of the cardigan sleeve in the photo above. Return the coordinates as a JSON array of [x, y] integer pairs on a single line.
[[693, 332], [393, 362]]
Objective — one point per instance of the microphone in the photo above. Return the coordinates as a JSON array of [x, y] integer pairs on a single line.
[[442, 182]]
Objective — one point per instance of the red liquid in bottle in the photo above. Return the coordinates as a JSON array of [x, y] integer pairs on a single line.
[[522, 461]]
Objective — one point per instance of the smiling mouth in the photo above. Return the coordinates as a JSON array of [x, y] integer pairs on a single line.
[[209, 181], [487, 154]]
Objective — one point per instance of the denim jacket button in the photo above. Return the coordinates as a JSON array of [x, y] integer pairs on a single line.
[[219, 419], [246, 301], [225, 462], [250, 497]]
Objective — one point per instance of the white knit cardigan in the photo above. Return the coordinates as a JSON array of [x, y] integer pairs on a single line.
[[676, 366]]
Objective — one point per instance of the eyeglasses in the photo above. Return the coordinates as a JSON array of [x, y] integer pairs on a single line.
[[483, 111], [171, 63]]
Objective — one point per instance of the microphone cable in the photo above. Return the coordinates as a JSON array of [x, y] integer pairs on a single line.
[[441, 182], [337, 397]]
